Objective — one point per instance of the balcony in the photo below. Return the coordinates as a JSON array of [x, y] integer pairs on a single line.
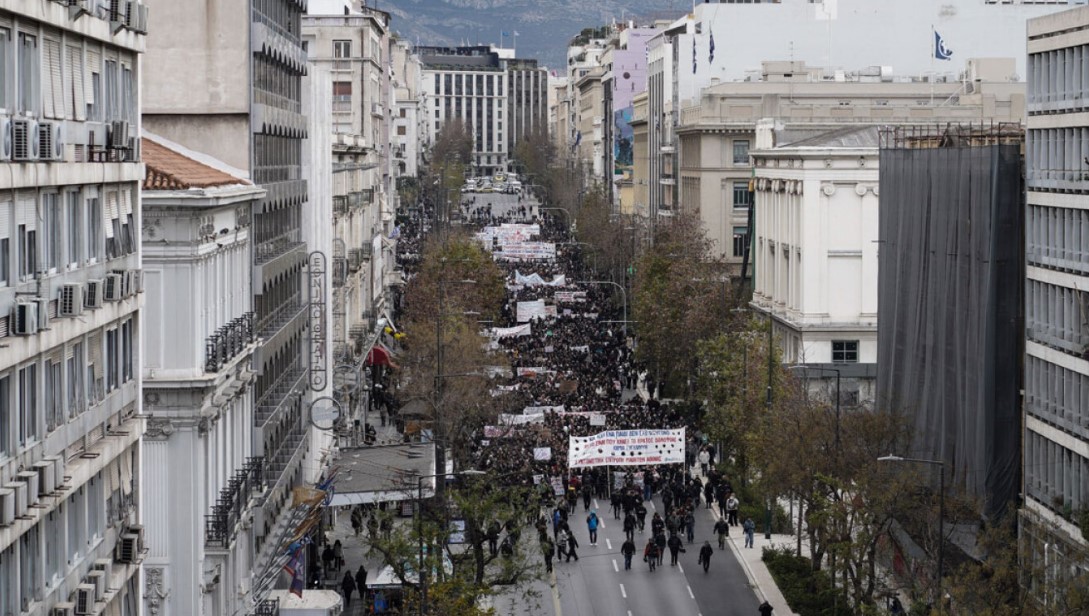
[[377, 110], [283, 315], [220, 526], [285, 456], [340, 205], [228, 342], [279, 396]]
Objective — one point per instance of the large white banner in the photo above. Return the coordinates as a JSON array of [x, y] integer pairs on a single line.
[[527, 311], [535, 280], [526, 251], [626, 448], [508, 332], [506, 419]]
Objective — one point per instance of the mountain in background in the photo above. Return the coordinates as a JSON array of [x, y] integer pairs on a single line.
[[544, 26]]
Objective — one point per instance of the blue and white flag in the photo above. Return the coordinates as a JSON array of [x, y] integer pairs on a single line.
[[711, 54], [941, 52]]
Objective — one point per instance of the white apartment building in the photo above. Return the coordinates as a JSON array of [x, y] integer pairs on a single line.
[[198, 346], [409, 134], [70, 282], [1056, 387], [815, 223]]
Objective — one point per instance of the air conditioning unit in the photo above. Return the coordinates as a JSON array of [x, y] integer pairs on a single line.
[[140, 20], [63, 609], [24, 319], [50, 141], [59, 469], [104, 565], [30, 478], [113, 288], [43, 313], [98, 580], [119, 134], [128, 549], [24, 140], [138, 281], [19, 489], [70, 303], [5, 139], [7, 506], [47, 480], [84, 599], [93, 296], [138, 530]]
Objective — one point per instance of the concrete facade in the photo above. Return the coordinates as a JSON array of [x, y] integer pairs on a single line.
[[408, 134], [716, 134], [254, 123], [197, 368], [70, 289], [1056, 396]]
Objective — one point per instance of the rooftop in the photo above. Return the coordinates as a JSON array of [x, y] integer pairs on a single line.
[[171, 169], [383, 474]]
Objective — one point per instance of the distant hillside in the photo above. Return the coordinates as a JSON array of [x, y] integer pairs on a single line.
[[544, 26]]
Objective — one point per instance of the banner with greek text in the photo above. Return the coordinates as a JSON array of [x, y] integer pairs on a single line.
[[626, 448]]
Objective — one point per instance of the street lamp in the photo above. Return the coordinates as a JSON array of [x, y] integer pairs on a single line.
[[420, 568], [623, 295], [941, 514]]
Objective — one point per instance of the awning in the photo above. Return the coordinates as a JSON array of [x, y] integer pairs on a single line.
[[379, 356]]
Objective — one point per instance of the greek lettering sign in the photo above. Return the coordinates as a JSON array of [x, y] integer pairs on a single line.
[[626, 448], [318, 371]]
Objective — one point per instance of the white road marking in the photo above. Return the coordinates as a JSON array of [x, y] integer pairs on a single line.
[[596, 504], [615, 567], [690, 592], [608, 544], [681, 567], [652, 506], [623, 593]]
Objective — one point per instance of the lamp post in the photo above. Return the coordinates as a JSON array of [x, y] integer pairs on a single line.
[[623, 294], [941, 515], [420, 568]]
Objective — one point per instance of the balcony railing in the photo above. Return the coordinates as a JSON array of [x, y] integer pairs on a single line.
[[278, 395], [283, 315], [233, 500], [228, 342], [282, 458], [267, 607]]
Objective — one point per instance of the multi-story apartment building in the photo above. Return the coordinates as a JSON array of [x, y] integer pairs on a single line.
[[198, 346], [625, 77], [589, 146], [717, 132], [640, 176], [70, 494], [1056, 363], [408, 134], [662, 181], [226, 80], [500, 98]]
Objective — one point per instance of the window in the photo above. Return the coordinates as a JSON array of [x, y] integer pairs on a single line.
[[7, 418], [5, 72], [52, 243], [30, 564], [112, 368], [401, 130], [741, 240], [28, 404], [28, 74], [741, 151], [403, 112], [342, 49], [742, 196], [845, 351], [5, 242], [73, 368], [110, 106], [73, 224], [126, 351], [94, 229], [54, 397]]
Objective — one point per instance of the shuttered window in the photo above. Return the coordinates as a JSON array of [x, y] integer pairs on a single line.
[[92, 79], [77, 98], [111, 212], [6, 213], [53, 105]]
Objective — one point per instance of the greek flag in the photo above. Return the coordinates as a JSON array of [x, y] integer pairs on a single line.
[[711, 55], [941, 52], [693, 55]]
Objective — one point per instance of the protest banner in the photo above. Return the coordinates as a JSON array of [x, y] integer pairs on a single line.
[[542, 454], [510, 332], [540, 410], [528, 311], [626, 448]]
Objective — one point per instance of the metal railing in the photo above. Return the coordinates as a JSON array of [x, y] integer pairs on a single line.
[[267, 607], [233, 500], [228, 342], [277, 396], [283, 315]]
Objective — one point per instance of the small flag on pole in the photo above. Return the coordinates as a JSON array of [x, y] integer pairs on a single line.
[[711, 54], [941, 52]]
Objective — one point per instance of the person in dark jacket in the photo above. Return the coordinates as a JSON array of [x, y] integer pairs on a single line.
[[347, 586], [660, 541], [651, 554], [547, 551], [361, 581], [572, 543], [628, 550], [765, 609], [676, 546], [705, 555], [722, 529], [629, 526]]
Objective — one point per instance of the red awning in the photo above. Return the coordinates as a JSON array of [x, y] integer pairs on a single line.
[[379, 356]]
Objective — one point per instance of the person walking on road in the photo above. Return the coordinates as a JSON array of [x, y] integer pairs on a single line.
[[705, 555], [347, 586], [641, 516], [722, 529], [561, 545], [629, 526], [705, 460], [689, 526], [547, 550], [591, 525], [750, 530], [660, 541], [572, 543], [651, 554], [765, 609], [361, 582], [587, 492], [616, 501], [628, 550], [675, 547]]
